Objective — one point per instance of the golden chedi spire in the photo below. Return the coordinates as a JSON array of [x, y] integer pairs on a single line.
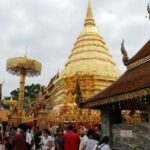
[[89, 16], [90, 55]]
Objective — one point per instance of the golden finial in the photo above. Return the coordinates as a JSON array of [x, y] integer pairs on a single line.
[[89, 16], [89, 12]]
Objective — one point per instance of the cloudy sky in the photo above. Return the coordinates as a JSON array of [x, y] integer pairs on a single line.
[[49, 29]]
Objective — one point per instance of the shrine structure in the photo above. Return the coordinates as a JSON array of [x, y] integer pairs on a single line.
[[92, 64], [131, 92]]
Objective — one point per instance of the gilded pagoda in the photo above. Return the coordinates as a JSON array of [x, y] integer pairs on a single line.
[[91, 63]]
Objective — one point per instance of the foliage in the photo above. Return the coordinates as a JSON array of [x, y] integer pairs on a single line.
[[4, 106], [30, 94]]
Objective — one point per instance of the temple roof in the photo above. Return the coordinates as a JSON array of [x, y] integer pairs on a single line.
[[135, 82], [90, 56]]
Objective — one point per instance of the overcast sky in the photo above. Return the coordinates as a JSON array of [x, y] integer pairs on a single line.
[[49, 29]]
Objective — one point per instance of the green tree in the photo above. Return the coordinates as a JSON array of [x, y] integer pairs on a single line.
[[31, 92], [3, 105]]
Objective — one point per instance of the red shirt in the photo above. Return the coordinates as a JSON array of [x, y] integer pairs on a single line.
[[71, 141]]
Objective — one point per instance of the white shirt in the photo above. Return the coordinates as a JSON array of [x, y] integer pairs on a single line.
[[28, 138], [82, 145], [90, 144], [45, 142], [102, 146]]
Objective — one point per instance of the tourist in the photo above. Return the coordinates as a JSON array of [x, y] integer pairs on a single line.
[[18, 141], [93, 139], [1, 135], [7, 140], [51, 129], [2, 147], [46, 140], [71, 139], [103, 144], [6, 133], [29, 138], [1, 140], [97, 129], [7, 144], [12, 130], [59, 142], [37, 139], [64, 128], [83, 138]]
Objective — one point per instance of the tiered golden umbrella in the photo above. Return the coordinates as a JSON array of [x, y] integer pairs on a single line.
[[23, 66]]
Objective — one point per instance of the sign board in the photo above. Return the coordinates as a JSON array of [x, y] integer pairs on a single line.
[[126, 133]]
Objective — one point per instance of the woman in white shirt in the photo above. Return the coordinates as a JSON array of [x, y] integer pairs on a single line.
[[83, 138], [46, 140], [103, 144]]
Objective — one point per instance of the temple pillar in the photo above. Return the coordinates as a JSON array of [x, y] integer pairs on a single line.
[[109, 117], [105, 125], [42, 120]]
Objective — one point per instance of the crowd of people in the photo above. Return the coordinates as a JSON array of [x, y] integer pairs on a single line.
[[61, 137]]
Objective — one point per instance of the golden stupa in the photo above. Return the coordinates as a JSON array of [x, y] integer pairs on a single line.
[[91, 63]]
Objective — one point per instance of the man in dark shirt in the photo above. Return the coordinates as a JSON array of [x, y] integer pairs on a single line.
[[59, 142], [19, 141]]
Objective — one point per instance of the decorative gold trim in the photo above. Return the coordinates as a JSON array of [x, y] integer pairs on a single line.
[[138, 62], [81, 51], [123, 97], [91, 58]]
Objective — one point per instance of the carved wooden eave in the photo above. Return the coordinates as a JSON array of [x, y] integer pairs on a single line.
[[139, 62], [139, 94]]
